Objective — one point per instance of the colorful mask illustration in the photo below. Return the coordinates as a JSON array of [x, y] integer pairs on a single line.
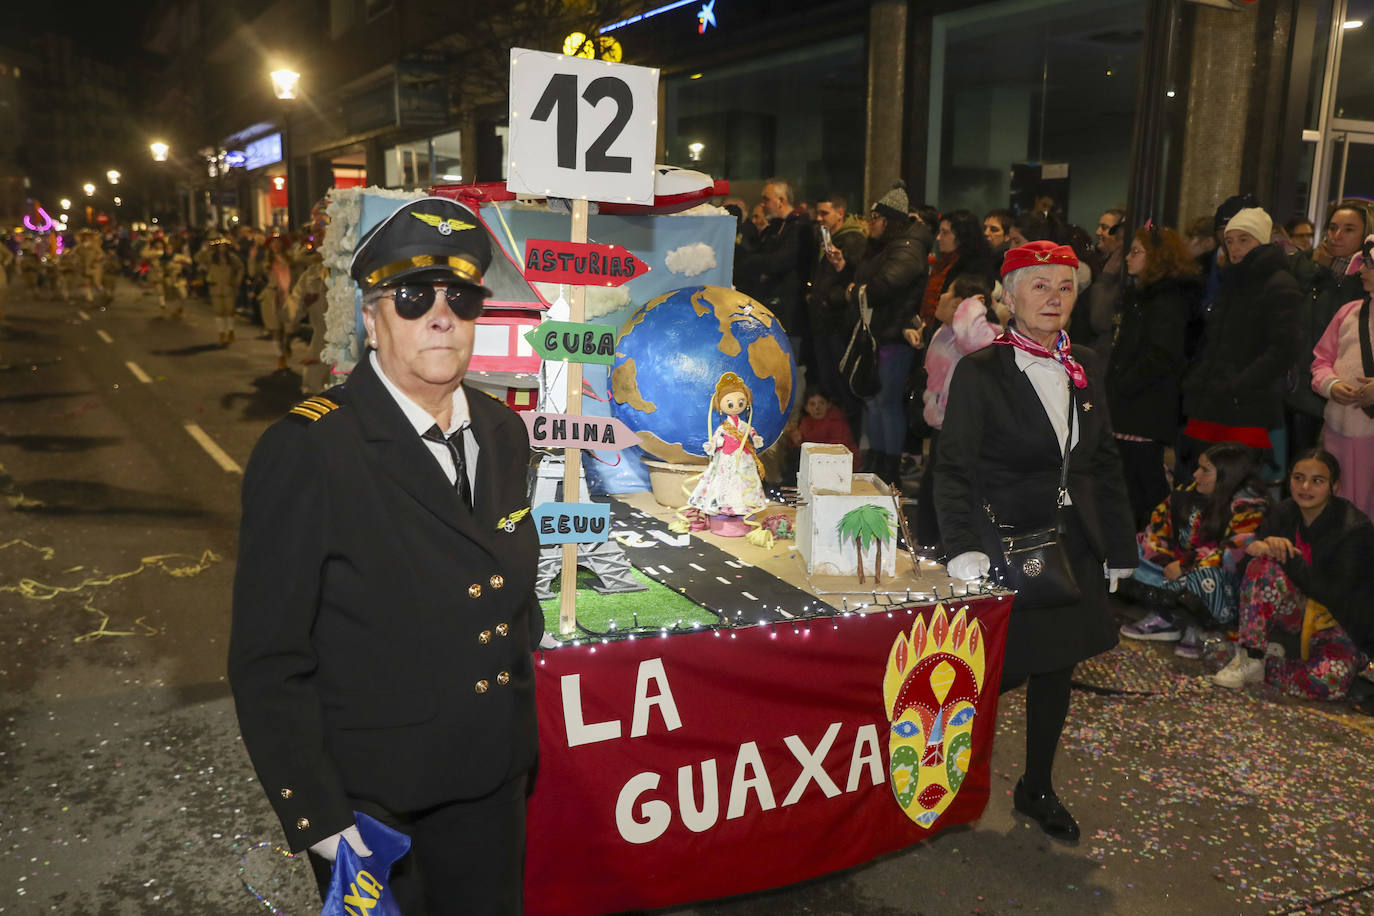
[[930, 693]]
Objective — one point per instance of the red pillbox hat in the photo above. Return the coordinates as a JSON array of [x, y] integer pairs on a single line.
[[1033, 253]]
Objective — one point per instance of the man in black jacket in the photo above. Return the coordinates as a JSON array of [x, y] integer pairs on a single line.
[[828, 311], [774, 271], [384, 608]]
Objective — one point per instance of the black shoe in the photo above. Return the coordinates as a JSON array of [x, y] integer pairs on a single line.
[[1047, 811]]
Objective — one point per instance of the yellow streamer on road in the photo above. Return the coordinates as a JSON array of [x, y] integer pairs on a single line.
[[177, 565]]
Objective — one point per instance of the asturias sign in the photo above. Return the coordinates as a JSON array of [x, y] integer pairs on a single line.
[[580, 263]]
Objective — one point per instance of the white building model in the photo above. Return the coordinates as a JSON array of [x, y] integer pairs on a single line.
[[828, 489]]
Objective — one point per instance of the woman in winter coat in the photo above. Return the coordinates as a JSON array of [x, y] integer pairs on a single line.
[[1307, 588], [1192, 552], [1234, 393], [1148, 359], [889, 281], [1343, 373]]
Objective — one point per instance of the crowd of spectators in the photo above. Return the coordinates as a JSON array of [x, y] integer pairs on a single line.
[[1231, 345]]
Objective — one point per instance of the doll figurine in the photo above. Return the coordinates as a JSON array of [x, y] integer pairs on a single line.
[[730, 485]]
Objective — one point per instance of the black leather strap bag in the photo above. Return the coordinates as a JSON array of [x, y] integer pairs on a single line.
[[859, 365], [1034, 563]]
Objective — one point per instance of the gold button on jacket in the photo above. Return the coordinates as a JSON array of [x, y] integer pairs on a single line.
[[484, 637], [497, 581], [481, 686], [287, 793], [503, 678], [502, 629], [303, 823], [474, 590]]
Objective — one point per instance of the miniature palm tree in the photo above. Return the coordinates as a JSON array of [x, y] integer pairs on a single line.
[[867, 525]]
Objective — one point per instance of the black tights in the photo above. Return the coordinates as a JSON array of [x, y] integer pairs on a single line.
[[1047, 706]]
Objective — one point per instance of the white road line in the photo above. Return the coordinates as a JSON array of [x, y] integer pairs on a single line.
[[748, 596], [723, 580], [139, 374], [84, 316], [103, 336], [665, 569], [696, 567], [732, 563], [212, 448]]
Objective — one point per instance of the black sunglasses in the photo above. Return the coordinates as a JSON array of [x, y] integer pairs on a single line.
[[414, 300]]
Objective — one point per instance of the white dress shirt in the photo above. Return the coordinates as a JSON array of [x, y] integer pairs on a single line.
[[422, 421], [1051, 384]]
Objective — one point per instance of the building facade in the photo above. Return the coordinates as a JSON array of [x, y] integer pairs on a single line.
[[1167, 106]]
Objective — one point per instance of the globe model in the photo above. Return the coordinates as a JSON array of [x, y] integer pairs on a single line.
[[671, 352]]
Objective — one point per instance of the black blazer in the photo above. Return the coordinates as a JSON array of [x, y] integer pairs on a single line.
[[382, 634], [997, 445]]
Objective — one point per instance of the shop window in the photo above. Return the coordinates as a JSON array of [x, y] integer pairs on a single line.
[[1033, 81], [797, 115], [1355, 78], [409, 165], [448, 157]]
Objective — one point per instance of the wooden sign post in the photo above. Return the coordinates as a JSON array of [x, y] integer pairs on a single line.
[[578, 130]]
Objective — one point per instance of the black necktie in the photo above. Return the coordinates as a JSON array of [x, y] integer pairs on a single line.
[[455, 448]]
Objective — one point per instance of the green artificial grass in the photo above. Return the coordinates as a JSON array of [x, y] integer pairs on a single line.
[[658, 607]]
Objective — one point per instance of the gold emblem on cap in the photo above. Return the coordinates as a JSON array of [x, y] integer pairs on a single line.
[[445, 226], [1043, 256]]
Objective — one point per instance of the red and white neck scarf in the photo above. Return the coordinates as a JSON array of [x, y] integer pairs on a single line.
[[1060, 354]]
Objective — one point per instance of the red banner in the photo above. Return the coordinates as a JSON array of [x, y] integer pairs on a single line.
[[708, 764]]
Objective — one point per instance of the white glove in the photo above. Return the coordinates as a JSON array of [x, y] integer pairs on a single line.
[[328, 848], [972, 564], [1114, 577]]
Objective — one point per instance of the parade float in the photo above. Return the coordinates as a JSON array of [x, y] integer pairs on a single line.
[[718, 714]]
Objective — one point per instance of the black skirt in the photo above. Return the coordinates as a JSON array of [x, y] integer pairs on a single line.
[[1048, 639]]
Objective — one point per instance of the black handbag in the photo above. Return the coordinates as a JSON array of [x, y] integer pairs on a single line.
[[859, 365], [1034, 563]]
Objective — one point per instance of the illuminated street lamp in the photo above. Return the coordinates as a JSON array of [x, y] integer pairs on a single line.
[[284, 83], [112, 176], [89, 188], [159, 150], [66, 203]]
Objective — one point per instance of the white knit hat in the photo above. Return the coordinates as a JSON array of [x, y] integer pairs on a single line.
[[1254, 221]]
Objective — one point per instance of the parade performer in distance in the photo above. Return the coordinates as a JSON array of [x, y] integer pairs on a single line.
[[223, 272], [731, 485], [384, 607]]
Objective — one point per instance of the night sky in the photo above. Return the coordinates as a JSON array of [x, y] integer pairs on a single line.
[[108, 31]]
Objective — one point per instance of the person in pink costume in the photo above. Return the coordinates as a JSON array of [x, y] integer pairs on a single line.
[[966, 325], [1340, 374]]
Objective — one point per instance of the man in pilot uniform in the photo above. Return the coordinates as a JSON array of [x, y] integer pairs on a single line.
[[384, 609]]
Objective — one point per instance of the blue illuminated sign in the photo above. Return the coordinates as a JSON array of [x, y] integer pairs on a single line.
[[235, 158], [667, 7], [706, 16], [263, 151]]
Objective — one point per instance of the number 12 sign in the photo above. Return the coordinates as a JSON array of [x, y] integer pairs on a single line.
[[581, 128]]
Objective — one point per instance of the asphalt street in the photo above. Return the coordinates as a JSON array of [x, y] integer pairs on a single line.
[[124, 787]]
